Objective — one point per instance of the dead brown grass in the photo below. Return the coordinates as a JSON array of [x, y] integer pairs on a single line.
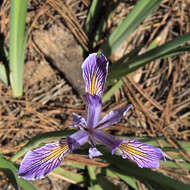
[[159, 92]]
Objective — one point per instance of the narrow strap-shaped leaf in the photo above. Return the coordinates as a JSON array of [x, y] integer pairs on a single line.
[[73, 177], [93, 181], [105, 183], [141, 10], [3, 74], [127, 179], [93, 15], [7, 165], [168, 49], [17, 45], [111, 91]]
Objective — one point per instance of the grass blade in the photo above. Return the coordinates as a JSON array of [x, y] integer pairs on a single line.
[[11, 169], [105, 183], [3, 74], [75, 165], [141, 10], [98, 181], [93, 181], [102, 24], [129, 180], [171, 164], [92, 17], [168, 49], [10, 176], [111, 91], [17, 45], [71, 176]]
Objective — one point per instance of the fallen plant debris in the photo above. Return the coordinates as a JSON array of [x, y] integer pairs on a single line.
[[159, 91]]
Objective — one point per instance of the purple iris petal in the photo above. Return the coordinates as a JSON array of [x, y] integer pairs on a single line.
[[94, 107], [145, 155], [93, 152], [113, 117], [38, 163], [78, 121], [106, 139], [95, 69], [77, 139]]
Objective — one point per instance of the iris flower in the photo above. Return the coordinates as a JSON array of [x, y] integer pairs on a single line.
[[38, 163]]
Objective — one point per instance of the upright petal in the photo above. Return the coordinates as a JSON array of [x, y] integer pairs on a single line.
[[94, 107], [77, 139], [145, 155], [95, 69], [38, 163], [113, 117], [78, 121]]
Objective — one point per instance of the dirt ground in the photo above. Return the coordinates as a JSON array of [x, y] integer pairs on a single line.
[[53, 86]]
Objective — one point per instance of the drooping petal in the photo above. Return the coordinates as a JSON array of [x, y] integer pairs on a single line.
[[145, 155], [113, 117], [94, 107], [77, 139], [38, 163], [78, 121], [95, 69], [93, 152], [106, 139]]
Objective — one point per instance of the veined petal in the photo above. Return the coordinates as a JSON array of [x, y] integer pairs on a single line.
[[93, 152], [95, 69], [38, 163], [94, 107], [145, 155], [77, 139], [106, 139], [78, 121], [113, 117]]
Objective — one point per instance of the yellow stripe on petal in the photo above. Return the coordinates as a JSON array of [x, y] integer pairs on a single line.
[[92, 85], [131, 150], [56, 152]]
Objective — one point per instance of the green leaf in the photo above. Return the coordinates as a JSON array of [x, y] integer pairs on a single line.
[[105, 183], [111, 91], [93, 181], [168, 49], [102, 24], [74, 177], [172, 164], [93, 15], [129, 180], [141, 10], [17, 45], [119, 83], [10, 170], [3, 74], [10, 176], [126, 57], [75, 165]]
